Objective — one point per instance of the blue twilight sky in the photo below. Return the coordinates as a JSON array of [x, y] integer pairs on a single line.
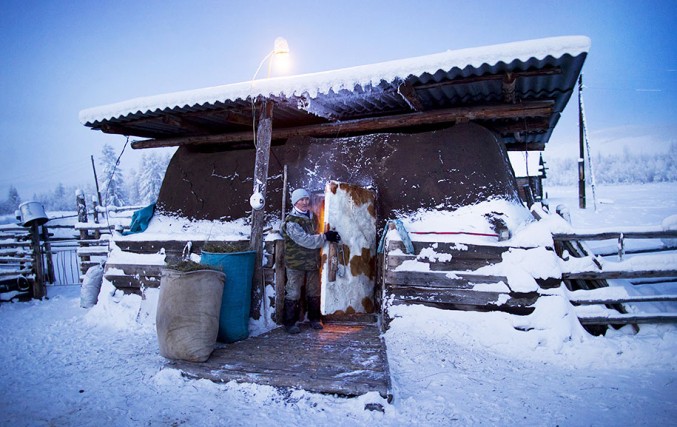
[[59, 57]]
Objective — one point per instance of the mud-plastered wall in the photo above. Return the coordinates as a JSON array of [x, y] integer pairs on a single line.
[[443, 169]]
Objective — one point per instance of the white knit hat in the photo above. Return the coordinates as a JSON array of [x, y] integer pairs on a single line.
[[298, 194]]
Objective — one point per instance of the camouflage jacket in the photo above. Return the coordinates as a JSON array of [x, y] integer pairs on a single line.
[[301, 241]]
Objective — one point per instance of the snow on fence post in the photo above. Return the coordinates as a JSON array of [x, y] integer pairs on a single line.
[[95, 213], [82, 210]]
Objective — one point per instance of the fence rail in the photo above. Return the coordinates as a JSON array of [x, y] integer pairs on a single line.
[[586, 282], [33, 255]]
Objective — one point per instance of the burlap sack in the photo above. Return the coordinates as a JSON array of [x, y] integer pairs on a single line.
[[188, 310]]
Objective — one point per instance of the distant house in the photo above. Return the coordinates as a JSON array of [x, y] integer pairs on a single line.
[[428, 132], [530, 171]]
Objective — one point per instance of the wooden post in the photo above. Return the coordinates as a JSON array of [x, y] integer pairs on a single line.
[[95, 213], [621, 247], [82, 211], [581, 146], [528, 195], [263, 138], [38, 268], [48, 255], [280, 280], [82, 217]]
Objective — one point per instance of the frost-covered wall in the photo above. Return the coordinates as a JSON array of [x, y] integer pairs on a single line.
[[444, 169]]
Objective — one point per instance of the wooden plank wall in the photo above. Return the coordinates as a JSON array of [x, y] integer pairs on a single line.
[[131, 278], [16, 260]]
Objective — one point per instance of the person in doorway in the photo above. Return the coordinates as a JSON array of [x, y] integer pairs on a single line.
[[302, 258]]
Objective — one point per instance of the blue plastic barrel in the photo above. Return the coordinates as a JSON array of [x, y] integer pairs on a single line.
[[236, 301]]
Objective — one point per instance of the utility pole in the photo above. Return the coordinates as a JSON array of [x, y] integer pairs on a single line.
[[96, 181], [581, 146]]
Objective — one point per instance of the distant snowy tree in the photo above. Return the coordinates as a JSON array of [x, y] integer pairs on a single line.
[[61, 198], [133, 197], [153, 168], [13, 198], [12, 202], [113, 189], [621, 168]]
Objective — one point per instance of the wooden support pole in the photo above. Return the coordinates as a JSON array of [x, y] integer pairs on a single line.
[[263, 139], [51, 276], [96, 181], [581, 146]]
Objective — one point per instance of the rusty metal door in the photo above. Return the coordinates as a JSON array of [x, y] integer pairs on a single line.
[[349, 267]]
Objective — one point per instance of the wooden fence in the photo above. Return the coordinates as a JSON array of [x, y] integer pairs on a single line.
[[585, 282]]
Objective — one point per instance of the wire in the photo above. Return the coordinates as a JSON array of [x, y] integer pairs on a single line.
[[454, 232], [110, 179]]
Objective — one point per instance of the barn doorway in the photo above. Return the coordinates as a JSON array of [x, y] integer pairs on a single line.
[[348, 272]]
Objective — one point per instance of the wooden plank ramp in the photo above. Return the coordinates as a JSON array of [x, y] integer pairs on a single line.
[[345, 358]]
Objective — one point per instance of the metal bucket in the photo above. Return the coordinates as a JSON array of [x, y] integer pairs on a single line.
[[32, 213]]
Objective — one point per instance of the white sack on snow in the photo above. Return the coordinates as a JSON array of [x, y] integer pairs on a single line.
[[91, 285]]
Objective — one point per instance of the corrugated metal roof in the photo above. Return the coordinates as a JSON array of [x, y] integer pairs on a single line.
[[545, 69]]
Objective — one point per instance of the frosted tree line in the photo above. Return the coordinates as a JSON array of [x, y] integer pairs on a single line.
[[142, 187], [622, 168], [117, 188]]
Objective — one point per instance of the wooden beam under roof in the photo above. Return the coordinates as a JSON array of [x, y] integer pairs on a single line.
[[520, 146], [467, 80], [371, 124], [537, 124], [182, 122]]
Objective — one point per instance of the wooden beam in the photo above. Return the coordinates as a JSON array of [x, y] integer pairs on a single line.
[[508, 88], [629, 274], [532, 146], [343, 128], [408, 93], [627, 319], [606, 235], [468, 80], [586, 300], [182, 123], [138, 127], [539, 124]]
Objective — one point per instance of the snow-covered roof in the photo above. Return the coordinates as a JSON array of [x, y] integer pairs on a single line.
[[449, 79]]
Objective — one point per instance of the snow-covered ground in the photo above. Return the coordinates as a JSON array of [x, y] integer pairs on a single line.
[[64, 365]]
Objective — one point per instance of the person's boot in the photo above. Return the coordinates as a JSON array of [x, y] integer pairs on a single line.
[[291, 314], [314, 314]]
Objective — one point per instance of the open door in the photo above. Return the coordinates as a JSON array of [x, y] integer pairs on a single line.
[[349, 268]]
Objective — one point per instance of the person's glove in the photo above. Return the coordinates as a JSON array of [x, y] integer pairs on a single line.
[[332, 236]]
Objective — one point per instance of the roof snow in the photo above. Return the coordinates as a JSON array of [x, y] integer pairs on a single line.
[[311, 85]]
